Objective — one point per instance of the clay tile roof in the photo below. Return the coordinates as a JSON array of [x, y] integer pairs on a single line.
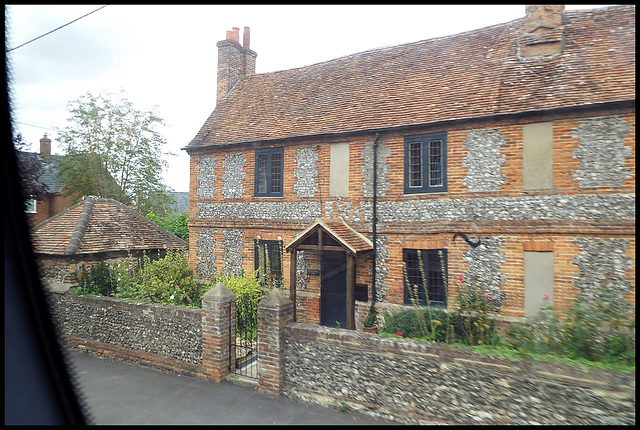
[[340, 231], [468, 75], [100, 225]]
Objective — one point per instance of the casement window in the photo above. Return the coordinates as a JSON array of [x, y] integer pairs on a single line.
[[30, 206], [425, 276], [269, 169], [268, 262], [425, 163]]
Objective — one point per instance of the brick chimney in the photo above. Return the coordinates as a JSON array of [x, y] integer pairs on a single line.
[[45, 148], [234, 61], [543, 35]]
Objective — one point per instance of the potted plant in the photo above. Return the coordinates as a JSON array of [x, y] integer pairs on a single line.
[[369, 323]]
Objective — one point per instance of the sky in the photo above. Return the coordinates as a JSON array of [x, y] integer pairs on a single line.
[[164, 57]]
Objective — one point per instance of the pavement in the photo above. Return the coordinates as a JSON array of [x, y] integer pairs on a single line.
[[117, 392]]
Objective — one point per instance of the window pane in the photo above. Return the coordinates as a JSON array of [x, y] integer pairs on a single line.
[[435, 163], [276, 173], [414, 291], [31, 206], [435, 279], [415, 164], [421, 266], [262, 173], [269, 262]]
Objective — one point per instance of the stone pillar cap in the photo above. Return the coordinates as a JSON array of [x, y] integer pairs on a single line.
[[274, 300], [219, 293]]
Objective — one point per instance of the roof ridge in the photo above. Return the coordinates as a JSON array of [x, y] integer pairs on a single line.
[[384, 48], [81, 227]]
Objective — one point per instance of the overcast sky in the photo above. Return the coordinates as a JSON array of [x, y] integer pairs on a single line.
[[165, 57]]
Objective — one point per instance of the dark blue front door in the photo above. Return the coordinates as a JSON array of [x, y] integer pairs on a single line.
[[333, 299]]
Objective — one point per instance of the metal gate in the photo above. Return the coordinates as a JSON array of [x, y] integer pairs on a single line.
[[244, 348]]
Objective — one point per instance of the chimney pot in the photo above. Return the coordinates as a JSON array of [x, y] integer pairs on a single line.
[[45, 148], [246, 38], [236, 34]]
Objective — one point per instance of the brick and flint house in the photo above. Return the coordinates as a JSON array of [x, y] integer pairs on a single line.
[[505, 155]]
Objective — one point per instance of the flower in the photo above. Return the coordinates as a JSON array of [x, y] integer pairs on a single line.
[[398, 334], [461, 278], [177, 287], [164, 246], [545, 296], [486, 295]]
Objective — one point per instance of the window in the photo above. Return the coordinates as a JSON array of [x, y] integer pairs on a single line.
[[30, 207], [269, 168], [268, 262], [425, 163], [425, 266]]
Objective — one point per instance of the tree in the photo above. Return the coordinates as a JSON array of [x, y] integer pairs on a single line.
[[31, 168], [108, 138], [173, 221]]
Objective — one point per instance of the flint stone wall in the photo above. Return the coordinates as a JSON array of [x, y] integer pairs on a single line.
[[168, 337], [420, 383]]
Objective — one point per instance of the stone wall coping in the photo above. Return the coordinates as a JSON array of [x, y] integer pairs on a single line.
[[117, 301], [274, 300], [219, 293]]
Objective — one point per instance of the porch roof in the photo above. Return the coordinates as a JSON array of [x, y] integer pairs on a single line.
[[339, 230]]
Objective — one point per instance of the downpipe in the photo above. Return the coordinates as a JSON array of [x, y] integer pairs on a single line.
[[375, 221]]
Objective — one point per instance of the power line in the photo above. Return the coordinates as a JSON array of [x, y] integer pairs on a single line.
[[31, 125], [56, 29]]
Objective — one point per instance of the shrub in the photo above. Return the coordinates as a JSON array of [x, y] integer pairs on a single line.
[[447, 327], [598, 329], [370, 320], [98, 279], [168, 280], [248, 293], [474, 313], [173, 221]]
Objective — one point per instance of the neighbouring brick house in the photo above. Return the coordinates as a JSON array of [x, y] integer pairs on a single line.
[[505, 154], [95, 229], [53, 201]]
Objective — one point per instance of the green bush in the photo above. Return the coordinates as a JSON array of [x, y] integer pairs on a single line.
[[447, 327], [98, 279], [597, 329], [173, 221], [168, 280], [477, 326], [248, 293]]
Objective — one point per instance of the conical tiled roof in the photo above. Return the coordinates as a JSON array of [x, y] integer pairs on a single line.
[[100, 225]]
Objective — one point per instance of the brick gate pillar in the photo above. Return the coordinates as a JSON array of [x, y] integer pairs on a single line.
[[274, 312], [218, 331]]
